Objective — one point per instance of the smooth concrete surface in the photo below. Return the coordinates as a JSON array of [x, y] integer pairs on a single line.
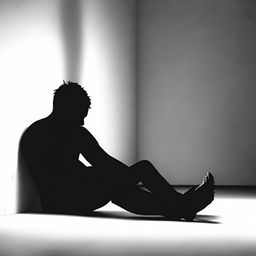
[[226, 227]]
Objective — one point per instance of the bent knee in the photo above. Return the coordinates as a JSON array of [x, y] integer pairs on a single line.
[[145, 163]]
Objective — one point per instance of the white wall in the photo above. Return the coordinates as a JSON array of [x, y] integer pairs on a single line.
[[197, 93], [46, 41], [31, 65]]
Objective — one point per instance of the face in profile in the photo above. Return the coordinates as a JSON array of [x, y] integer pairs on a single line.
[[77, 114]]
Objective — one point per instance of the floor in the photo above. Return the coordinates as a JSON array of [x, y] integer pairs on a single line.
[[226, 227]]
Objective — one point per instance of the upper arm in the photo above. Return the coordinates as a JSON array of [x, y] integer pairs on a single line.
[[91, 150]]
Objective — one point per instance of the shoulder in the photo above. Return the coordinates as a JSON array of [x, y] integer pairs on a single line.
[[35, 130], [84, 131], [85, 135], [36, 126]]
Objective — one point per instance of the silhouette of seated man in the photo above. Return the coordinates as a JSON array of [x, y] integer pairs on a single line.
[[50, 148]]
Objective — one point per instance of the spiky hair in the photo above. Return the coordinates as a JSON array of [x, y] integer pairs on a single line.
[[71, 93]]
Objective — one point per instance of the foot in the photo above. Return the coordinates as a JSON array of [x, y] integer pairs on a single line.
[[198, 197]]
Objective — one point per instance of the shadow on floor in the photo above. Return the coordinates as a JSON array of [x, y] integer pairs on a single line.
[[124, 215], [208, 219]]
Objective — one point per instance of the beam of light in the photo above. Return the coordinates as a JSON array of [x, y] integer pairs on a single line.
[[71, 28], [109, 75]]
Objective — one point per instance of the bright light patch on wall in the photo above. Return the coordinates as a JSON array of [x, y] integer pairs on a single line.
[[31, 66], [109, 75]]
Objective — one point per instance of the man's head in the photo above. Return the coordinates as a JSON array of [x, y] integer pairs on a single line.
[[71, 102]]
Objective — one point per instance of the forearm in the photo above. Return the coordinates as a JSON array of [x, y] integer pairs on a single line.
[[96, 155]]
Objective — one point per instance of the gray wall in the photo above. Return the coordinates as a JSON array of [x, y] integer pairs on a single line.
[[197, 89]]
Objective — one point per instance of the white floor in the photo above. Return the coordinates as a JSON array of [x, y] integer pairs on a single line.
[[226, 227]]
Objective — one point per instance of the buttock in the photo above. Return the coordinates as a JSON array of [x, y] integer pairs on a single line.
[[82, 192]]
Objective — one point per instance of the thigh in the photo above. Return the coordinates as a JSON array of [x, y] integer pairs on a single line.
[[84, 191], [91, 188]]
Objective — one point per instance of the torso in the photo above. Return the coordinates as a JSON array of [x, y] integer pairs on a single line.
[[50, 152]]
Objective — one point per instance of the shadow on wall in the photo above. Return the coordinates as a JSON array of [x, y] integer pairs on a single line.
[[71, 28], [28, 199]]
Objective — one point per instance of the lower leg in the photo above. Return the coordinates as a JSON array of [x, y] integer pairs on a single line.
[[139, 201], [145, 172]]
